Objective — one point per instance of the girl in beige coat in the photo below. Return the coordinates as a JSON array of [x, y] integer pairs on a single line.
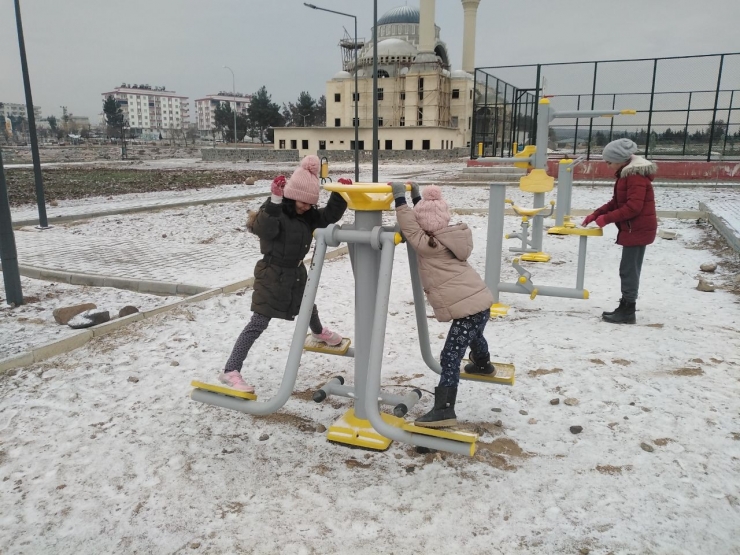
[[454, 289]]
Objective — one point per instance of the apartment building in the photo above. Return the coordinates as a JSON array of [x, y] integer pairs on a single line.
[[152, 110], [10, 109], [205, 108]]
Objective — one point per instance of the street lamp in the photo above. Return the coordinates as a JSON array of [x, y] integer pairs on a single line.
[[356, 121], [233, 88]]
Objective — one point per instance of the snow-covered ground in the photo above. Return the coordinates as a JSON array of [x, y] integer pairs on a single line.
[[92, 461]]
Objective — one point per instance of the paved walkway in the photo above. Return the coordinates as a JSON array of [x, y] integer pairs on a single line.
[[161, 267]]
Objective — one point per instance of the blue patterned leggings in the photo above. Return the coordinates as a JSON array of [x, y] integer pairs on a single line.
[[464, 332]]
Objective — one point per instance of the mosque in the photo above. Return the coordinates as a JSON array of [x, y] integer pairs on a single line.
[[423, 104]]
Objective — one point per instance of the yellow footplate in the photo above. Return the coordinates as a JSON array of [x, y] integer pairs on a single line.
[[504, 374], [444, 433], [358, 432], [317, 346], [224, 390]]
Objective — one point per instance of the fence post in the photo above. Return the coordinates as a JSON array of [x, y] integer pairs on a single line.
[[727, 125], [686, 129], [611, 120], [650, 113], [485, 115], [591, 120], [533, 131], [714, 112], [575, 138], [472, 120]]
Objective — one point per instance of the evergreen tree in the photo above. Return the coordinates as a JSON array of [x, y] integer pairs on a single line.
[[319, 112], [306, 108], [113, 115], [263, 112]]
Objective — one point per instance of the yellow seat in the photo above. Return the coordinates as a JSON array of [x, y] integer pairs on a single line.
[[526, 211], [537, 182], [582, 231]]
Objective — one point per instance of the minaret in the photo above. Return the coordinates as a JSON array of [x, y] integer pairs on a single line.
[[427, 36], [471, 9]]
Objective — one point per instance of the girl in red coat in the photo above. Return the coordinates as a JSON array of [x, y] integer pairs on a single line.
[[632, 210]]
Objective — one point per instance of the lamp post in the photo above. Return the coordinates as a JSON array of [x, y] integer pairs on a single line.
[[8, 254], [233, 89], [43, 222], [356, 120]]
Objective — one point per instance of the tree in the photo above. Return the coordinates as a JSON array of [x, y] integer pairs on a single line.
[[600, 138], [320, 112], [113, 115], [263, 112], [287, 114], [52, 123], [306, 108], [223, 118]]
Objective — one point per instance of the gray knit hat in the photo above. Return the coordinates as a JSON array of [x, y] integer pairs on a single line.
[[619, 151]]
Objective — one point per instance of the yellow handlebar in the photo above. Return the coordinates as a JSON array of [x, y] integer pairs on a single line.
[[361, 188]]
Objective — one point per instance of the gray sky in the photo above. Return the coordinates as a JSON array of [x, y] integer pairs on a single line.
[[78, 49]]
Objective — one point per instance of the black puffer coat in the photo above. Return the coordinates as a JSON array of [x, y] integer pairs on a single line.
[[280, 277]]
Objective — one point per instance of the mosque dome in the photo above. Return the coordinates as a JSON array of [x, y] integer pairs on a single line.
[[401, 14], [341, 75]]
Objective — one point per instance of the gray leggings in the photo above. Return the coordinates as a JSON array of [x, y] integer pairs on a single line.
[[252, 331], [629, 272]]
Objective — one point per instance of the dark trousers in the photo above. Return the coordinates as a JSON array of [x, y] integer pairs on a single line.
[[629, 272], [464, 332], [258, 324]]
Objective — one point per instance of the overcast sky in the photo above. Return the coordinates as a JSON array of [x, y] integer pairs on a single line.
[[78, 49]]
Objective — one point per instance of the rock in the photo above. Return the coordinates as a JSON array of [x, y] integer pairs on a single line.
[[65, 314], [88, 319], [554, 401], [646, 447], [195, 545], [571, 401], [496, 410], [498, 423], [133, 379], [708, 267], [532, 421], [576, 429], [667, 234], [705, 286], [127, 311], [174, 363], [164, 236], [410, 469], [424, 450], [53, 203], [264, 437], [320, 428], [524, 412], [249, 181]]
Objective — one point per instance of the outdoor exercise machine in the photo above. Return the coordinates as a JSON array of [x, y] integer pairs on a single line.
[[324, 171], [537, 182], [372, 248]]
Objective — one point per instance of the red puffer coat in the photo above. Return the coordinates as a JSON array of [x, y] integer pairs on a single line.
[[632, 208]]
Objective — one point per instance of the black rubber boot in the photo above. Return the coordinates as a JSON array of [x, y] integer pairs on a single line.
[[625, 316], [443, 413], [620, 308], [480, 365]]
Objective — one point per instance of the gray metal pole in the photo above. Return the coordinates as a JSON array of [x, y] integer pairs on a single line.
[[233, 89], [375, 91], [367, 265], [8, 254], [545, 291], [583, 241], [356, 121], [420, 308], [495, 237], [40, 201]]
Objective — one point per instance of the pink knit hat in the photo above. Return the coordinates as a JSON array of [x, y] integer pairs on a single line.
[[303, 185], [432, 212]]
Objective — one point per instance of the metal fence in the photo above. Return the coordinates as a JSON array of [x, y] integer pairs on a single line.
[[687, 107]]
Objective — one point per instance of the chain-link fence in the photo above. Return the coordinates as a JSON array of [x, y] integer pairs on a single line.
[[687, 107]]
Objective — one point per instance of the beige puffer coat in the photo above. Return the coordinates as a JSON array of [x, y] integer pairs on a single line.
[[453, 287]]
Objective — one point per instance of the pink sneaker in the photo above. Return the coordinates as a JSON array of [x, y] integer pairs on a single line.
[[329, 337], [234, 381]]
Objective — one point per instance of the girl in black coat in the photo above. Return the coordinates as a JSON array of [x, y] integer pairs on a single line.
[[284, 224]]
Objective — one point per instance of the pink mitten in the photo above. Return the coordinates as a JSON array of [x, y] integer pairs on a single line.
[[345, 181], [278, 185]]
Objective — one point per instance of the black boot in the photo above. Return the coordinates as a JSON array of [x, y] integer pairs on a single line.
[[480, 365], [620, 308], [443, 413], [625, 316]]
